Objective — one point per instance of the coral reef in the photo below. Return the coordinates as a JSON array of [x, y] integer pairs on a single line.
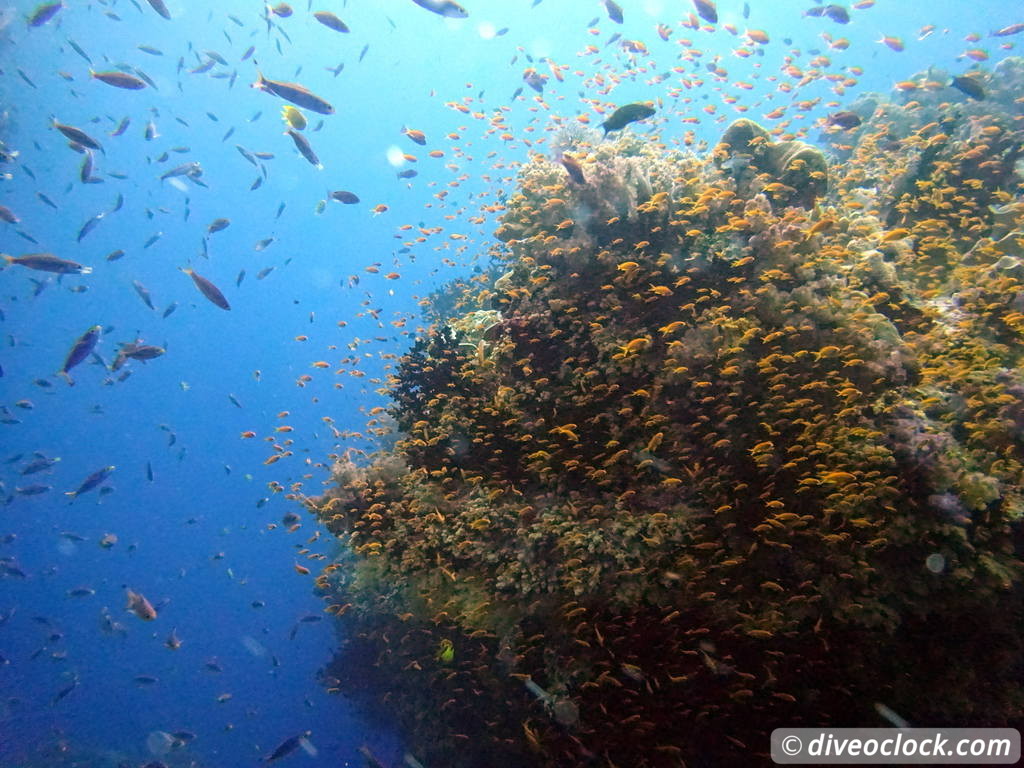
[[733, 443]]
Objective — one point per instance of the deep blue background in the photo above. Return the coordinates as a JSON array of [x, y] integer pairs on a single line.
[[195, 537]]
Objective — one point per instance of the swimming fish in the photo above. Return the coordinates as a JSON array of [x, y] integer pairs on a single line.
[[287, 746], [328, 19], [846, 120], [625, 115], [573, 168], [293, 117], [343, 196], [305, 148], [294, 93], [44, 13], [119, 79], [208, 289], [140, 606], [706, 10], [969, 86], [91, 482], [448, 8], [47, 262], [160, 7], [77, 135], [80, 350]]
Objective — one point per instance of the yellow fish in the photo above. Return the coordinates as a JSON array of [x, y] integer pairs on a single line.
[[293, 117]]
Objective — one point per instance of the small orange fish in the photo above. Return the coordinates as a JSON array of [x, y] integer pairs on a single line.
[[301, 569], [247, 434], [418, 136]]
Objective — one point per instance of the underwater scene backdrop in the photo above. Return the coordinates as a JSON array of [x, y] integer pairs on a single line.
[[506, 383]]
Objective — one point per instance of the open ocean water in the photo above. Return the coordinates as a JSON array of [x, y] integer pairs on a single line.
[[204, 406]]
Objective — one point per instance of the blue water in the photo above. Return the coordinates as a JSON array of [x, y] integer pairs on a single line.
[[200, 539]]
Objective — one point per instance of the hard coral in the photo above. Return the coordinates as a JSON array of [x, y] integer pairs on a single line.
[[712, 464]]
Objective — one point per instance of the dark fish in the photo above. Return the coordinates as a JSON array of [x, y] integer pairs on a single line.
[[246, 154], [149, 471], [77, 135], [362, 53], [305, 149], [43, 463], [150, 50], [32, 490], [614, 11], [160, 7], [625, 115], [77, 49], [294, 93], [240, 278], [115, 255], [448, 8], [969, 86], [248, 52], [838, 14], [706, 10], [64, 691], [845, 120], [152, 239], [46, 200], [264, 272], [343, 196], [91, 482], [409, 173], [47, 262], [119, 80], [143, 294], [208, 289], [80, 350], [573, 168], [26, 78], [234, 401], [328, 19], [217, 225], [44, 13], [170, 310], [288, 746], [7, 215], [90, 225]]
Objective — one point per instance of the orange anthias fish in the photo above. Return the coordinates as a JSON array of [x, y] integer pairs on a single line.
[[140, 606]]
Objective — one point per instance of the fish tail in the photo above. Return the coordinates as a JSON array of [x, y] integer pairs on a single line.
[[67, 377]]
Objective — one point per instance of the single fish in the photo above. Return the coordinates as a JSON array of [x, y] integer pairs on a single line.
[[77, 135], [572, 167], [47, 262], [140, 606], [119, 79], [343, 196], [294, 93], [287, 746], [91, 482], [328, 19], [447, 8], [305, 148], [614, 11], [208, 289], [968, 85], [160, 7], [81, 349], [706, 10], [623, 116], [44, 13]]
